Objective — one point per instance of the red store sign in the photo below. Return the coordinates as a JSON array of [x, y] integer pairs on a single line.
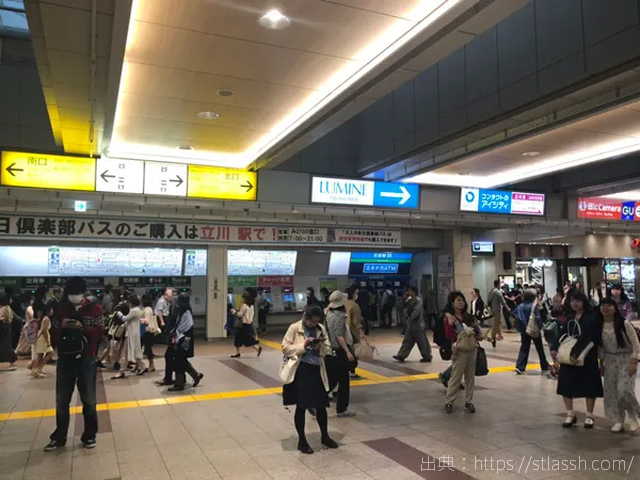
[[277, 281]]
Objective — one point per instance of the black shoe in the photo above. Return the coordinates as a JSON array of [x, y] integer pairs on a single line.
[[569, 422], [329, 442], [469, 408], [116, 367], [198, 379], [176, 388], [588, 422], [305, 448], [54, 445], [493, 342], [89, 444], [100, 365], [259, 351], [163, 383], [443, 380], [237, 355], [399, 359], [448, 408], [426, 360]]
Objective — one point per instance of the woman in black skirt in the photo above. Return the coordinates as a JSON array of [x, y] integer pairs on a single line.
[[585, 381], [244, 334], [307, 343]]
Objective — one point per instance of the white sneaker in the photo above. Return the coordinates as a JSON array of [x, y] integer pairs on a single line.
[[632, 423], [617, 428]]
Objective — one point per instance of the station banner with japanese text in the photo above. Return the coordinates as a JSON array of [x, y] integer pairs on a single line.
[[125, 230]]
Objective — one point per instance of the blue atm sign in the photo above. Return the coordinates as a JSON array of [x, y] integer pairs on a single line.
[[366, 193]]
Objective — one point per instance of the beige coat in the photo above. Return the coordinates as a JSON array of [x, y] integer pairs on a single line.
[[293, 348]]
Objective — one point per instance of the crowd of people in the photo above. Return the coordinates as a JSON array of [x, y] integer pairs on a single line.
[[589, 338]]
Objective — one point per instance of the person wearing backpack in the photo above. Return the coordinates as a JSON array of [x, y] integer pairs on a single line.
[[415, 332], [388, 304], [76, 330], [528, 317]]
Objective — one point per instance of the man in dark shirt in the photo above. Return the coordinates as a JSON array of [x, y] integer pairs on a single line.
[[77, 318]]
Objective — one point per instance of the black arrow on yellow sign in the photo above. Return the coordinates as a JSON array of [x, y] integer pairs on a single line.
[[11, 169], [248, 186]]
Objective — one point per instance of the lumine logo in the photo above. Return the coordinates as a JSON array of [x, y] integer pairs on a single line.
[[343, 188]]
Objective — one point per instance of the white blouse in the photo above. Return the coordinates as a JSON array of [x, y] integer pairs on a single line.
[[246, 314], [631, 336]]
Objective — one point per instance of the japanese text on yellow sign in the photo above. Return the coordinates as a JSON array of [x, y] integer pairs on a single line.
[[221, 183], [34, 170]]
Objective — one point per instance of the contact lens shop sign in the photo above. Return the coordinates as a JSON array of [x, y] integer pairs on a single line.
[[501, 201]]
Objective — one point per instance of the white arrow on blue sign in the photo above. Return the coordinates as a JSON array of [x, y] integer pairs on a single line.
[[398, 195]]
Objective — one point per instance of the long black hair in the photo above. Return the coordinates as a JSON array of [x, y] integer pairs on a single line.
[[618, 322], [623, 294], [581, 297], [468, 319]]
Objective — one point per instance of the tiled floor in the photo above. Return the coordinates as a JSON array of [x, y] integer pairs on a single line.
[[234, 426]]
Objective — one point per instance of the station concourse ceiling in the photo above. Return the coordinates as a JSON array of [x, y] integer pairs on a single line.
[[205, 82]]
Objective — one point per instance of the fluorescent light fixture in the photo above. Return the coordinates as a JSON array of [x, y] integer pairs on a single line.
[[208, 115], [388, 42], [538, 168], [630, 195]]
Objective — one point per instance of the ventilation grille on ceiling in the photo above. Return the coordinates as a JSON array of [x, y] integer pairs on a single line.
[[16, 52]]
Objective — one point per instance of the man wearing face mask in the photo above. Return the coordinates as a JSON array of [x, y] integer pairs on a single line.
[[76, 330]]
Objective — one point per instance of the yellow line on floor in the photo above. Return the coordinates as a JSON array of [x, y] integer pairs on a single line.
[[154, 402]]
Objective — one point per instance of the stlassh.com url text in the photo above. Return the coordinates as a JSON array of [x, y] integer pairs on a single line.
[[541, 464]]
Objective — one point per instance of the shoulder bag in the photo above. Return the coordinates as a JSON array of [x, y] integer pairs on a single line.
[[533, 329], [287, 370], [567, 342], [466, 341], [482, 366]]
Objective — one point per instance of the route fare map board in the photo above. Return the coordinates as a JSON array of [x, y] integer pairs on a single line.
[[111, 262], [261, 262]]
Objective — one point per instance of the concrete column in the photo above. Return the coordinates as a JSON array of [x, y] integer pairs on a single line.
[[216, 292], [462, 262]]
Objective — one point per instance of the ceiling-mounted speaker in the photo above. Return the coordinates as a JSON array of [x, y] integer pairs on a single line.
[[506, 260]]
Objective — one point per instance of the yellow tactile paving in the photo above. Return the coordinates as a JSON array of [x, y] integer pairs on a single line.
[[379, 380]]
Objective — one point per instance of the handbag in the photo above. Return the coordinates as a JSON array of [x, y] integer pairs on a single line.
[[466, 341], [533, 329], [287, 370], [446, 353], [365, 350], [482, 367], [567, 343], [486, 313]]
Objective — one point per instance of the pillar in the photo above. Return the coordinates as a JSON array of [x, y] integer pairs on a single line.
[[216, 292], [462, 262]]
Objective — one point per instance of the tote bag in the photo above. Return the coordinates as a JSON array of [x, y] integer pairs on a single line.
[[482, 366], [567, 342], [533, 329], [287, 370]]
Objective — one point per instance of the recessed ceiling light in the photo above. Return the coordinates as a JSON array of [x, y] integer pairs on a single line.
[[225, 92], [208, 115], [274, 20], [532, 153], [185, 147]]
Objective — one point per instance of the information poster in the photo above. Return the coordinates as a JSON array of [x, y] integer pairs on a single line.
[[195, 263]]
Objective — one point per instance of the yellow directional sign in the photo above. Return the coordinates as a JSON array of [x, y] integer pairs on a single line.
[[35, 170], [221, 183]]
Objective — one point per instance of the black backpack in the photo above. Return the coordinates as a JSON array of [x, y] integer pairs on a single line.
[[72, 344], [391, 300]]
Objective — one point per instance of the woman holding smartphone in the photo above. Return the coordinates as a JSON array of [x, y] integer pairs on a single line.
[[463, 330], [307, 343]]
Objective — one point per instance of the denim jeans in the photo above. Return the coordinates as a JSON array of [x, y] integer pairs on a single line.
[[525, 347], [69, 373]]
